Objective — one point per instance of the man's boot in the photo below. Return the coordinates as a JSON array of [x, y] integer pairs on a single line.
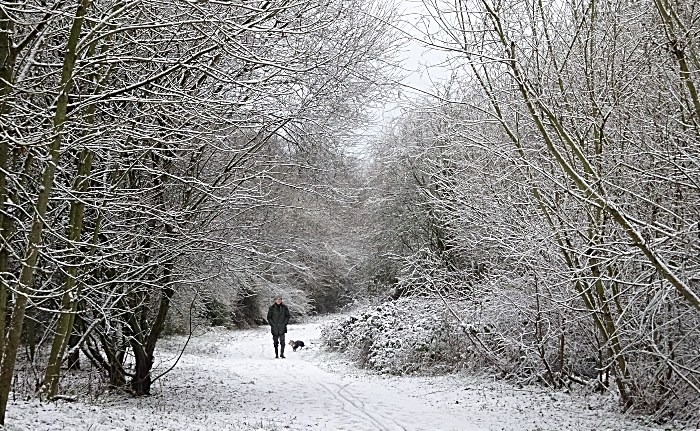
[[276, 355], [282, 351]]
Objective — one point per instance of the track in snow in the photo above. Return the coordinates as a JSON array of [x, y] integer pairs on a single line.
[[229, 380], [298, 388]]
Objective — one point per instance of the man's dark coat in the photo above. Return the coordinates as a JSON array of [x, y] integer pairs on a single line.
[[278, 317]]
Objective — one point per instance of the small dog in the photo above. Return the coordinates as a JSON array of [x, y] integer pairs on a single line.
[[296, 344]]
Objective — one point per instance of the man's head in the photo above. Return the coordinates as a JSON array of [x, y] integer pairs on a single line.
[[278, 299]]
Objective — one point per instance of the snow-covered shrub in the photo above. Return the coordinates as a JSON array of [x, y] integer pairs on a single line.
[[503, 334], [400, 337]]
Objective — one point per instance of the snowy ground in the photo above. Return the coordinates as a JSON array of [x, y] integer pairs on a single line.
[[231, 381]]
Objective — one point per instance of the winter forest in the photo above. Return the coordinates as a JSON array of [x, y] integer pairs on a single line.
[[530, 214]]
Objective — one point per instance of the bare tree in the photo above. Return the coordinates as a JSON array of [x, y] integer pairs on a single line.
[[599, 117], [134, 134]]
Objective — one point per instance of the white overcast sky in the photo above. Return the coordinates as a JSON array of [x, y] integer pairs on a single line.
[[425, 63], [421, 69], [422, 66]]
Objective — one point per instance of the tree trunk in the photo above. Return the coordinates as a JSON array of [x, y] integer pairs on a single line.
[[71, 288], [141, 382], [144, 351], [114, 364], [73, 360], [30, 333], [7, 65], [34, 242]]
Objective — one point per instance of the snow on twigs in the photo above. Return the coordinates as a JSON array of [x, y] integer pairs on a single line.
[[401, 337]]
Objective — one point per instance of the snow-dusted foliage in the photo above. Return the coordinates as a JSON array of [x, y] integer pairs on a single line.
[[505, 337], [400, 337], [555, 175], [146, 149]]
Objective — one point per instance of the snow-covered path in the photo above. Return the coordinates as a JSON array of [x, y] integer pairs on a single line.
[[297, 392], [230, 380]]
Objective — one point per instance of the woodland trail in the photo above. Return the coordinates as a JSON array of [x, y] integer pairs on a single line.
[[299, 393], [229, 380]]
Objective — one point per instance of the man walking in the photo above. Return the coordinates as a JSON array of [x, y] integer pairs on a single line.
[[278, 317]]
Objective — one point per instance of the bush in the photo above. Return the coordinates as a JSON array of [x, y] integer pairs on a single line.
[[420, 335], [400, 337]]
